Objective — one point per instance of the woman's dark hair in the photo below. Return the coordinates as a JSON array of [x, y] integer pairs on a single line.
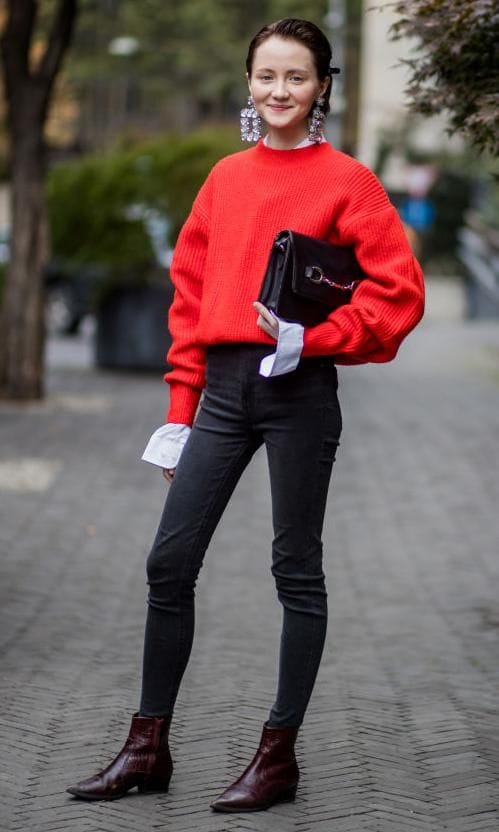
[[305, 32]]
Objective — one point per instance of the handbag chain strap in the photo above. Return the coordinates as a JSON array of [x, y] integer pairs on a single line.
[[317, 276]]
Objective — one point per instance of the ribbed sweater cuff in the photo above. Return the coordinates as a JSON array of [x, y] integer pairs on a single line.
[[183, 403], [320, 340]]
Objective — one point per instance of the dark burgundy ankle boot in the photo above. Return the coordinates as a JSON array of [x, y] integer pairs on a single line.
[[271, 777], [144, 761]]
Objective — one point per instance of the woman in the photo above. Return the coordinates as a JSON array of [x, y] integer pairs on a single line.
[[286, 400]]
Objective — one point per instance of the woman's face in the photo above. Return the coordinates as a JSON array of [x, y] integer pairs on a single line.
[[284, 85]]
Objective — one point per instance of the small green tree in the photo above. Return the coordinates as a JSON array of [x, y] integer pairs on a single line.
[[457, 66]]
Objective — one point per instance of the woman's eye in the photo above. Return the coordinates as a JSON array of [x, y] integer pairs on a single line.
[[265, 77], [297, 78]]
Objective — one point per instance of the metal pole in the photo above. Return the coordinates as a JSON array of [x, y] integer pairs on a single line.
[[335, 20]]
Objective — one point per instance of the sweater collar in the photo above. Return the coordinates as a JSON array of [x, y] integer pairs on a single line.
[[295, 156]]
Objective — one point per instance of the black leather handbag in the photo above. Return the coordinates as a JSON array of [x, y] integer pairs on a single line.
[[307, 278]]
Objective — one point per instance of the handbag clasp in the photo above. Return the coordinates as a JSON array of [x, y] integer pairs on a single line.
[[317, 276]]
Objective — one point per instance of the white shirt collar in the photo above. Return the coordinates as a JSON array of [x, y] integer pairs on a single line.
[[304, 143]]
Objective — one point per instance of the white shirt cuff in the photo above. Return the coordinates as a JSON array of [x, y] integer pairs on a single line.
[[288, 350], [166, 445]]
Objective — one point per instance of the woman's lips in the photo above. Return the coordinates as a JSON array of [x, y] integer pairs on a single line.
[[279, 108]]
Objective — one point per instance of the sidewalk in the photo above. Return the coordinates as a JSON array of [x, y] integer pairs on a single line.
[[402, 732]]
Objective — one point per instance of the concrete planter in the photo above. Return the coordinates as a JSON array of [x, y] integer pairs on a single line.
[[131, 330]]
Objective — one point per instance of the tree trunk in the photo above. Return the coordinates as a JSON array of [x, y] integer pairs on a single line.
[[22, 317], [28, 92]]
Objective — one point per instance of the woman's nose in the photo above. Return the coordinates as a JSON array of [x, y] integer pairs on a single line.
[[280, 90]]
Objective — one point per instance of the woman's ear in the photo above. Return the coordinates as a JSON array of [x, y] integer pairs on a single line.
[[324, 87], [248, 81]]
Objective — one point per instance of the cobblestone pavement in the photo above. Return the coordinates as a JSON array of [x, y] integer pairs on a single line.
[[402, 732]]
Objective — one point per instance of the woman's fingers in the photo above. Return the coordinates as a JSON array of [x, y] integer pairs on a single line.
[[168, 473], [262, 323], [266, 314], [266, 320]]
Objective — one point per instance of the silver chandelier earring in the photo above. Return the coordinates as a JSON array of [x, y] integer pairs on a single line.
[[317, 121], [251, 123]]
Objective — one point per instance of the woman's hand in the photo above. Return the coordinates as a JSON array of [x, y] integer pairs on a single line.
[[266, 320], [168, 473]]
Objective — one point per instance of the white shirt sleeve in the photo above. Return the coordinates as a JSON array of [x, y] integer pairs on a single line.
[[166, 444], [288, 350]]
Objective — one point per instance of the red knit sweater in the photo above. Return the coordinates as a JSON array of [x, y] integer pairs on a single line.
[[223, 247]]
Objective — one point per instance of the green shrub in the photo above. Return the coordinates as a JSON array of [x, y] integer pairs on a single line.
[[173, 168], [87, 202], [90, 200]]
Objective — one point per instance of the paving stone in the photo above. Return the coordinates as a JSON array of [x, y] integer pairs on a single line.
[[402, 732]]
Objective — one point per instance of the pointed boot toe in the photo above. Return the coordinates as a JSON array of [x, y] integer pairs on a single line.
[[93, 788], [245, 801]]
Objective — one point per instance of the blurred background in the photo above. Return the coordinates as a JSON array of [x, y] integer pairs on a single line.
[[112, 112], [146, 97]]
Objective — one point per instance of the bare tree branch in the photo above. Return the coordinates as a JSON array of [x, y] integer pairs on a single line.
[[59, 38]]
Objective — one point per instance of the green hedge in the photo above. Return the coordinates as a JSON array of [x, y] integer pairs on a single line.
[[89, 200]]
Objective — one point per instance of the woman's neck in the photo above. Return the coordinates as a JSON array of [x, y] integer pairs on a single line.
[[286, 139]]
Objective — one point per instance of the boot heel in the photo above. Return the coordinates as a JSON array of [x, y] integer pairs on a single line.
[[288, 795], [154, 784]]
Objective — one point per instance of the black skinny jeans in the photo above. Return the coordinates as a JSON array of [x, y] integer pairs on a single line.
[[298, 417]]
